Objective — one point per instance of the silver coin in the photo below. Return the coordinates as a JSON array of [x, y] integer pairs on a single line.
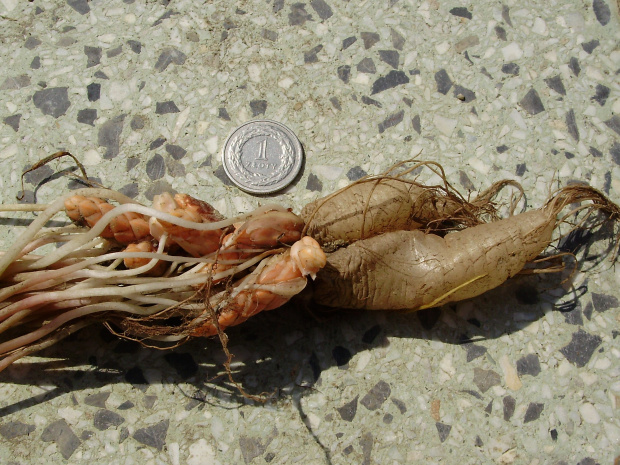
[[262, 156]]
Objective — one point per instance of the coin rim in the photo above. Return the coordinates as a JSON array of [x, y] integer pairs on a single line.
[[287, 180]]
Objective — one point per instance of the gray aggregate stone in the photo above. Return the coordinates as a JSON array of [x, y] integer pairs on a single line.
[[344, 73], [391, 121], [153, 436], [533, 412], [392, 79], [398, 40], [164, 108], [531, 103], [93, 56], [156, 167], [614, 124], [443, 430], [376, 396], [509, 407], [604, 302], [175, 151], [589, 47], [97, 400], [258, 107], [35, 63], [13, 121], [556, 84], [370, 39], [322, 9], [486, 379], [52, 101], [168, 56], [135, 46], [87, 116], [601, 95], [64, 437], [15, 82], [417, 126], [366, 66], [444, 83], [571, 124], [15, 429], [109, 136], [528, 365], [347, 411], [314, 184], [601, 11], [81, 6], [105, 419], [346, 43], [391, 57], [581, 347], [298, 15], [32, 42]]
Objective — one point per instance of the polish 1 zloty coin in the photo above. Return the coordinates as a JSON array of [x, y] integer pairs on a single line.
[[262, 156]]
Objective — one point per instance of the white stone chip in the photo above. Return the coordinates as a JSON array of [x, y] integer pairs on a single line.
[[212, 144], [512, 52], [9, 151], [540, 27], [9, 4], [589, 414], [201, 453], [91, 158], [254, 72], [445, 125], [510, 374], [286, 83]]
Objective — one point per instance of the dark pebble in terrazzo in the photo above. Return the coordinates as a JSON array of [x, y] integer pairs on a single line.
[[465, 181], [607, 184], [443, 430], [500, 32], [183, 363], [531, 103], [87, 116], [223, 114], [367, 66], [35, 63], [105, 419], [581, 347], [251, 448], [602, 93], [601, 11], [391, 57], [311, 55], [370, 39], [347, 411], [169, 56], [461, 12], [93, 91], [554, 434], [573, 315], [131, 190], [109, 136], [52, 101], [510, 68], [126, 405], [589, 47], [86, 435], [464, 94], [93, 55], [346, 43], [278, 5], [414, 72], [408, 101], [157, 143], [533, 412], [556, 84], [501, 148], [521, 169], [587, 312], [166, 15], [369, 101], [156, 167], [258, 107], [163, 108], [489, 408], [392, 79], [400, 405], [341, 355], [14, 429], [391, 121], [444, 83], [344, 73], [13, 121], [614, 151], [114, 52], [388, 418], [415, 122], [509, 407], [137, 122], [135, 46], [571, 124], [376, 396], [398, 40], [270, 35], [32, 42], [315, 366], [528, 365], [371, 334], [614, 124], [101, 75], [298, 15], [97, 400], [153, 436], [428, 317], [588, 461], [220, 173], [473, 393], [506, 14], [314, 184], [64, 437], [347, 450], [81, 6], [175, 151], [335, 103], [604, 302], [366, 441], [485, 379], [135, 377], [355, 173], [322, 9], [478, 442], [473, 351], [149, 401], [573, 65]]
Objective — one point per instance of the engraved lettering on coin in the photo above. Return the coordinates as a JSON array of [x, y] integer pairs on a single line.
[[262, 156]]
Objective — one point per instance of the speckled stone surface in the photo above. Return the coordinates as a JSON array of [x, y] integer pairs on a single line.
[[145, 94]]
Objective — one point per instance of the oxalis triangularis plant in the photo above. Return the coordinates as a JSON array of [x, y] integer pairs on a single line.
[[175, 270]]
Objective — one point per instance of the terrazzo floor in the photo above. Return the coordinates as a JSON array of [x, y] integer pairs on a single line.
[[145, 93]]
